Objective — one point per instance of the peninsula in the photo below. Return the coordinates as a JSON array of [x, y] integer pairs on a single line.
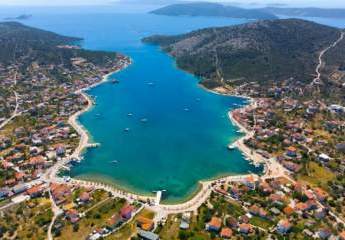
[[294, 72]]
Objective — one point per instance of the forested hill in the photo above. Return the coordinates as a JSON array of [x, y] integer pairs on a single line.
[[20, 43], [265, 52], [21, 34], [212, 9]]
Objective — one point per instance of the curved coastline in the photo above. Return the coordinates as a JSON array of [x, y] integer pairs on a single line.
[[73, 120], [203, 186]]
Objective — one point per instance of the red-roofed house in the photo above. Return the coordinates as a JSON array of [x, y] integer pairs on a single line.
[[320, 194], [214, 225], [35, 191], [126, 212], [245, 228], [283, 226], [226, 233]]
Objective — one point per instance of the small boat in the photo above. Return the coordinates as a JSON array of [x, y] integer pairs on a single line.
[[186, 109], [150, 83], [114, 162], [231, 147], [127, 129], [257, 164], [98, 115], [115, 81], [198, 99], [144, 120], [130, 114]]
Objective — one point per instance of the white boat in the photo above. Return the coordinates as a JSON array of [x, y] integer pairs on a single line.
[[114, 162], [231, 147], [144, 120], [130, 114], [127, 129]]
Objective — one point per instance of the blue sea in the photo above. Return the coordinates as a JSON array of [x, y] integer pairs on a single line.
[[178, 132]]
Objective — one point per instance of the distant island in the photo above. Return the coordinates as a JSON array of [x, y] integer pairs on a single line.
[[212, 9], [20, 17], [271, 12], [306, 12], [266, 52]]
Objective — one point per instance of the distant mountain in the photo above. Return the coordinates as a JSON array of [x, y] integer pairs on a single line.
[[20, 17], [265, 52], [306, 12], [151, 2], [212, 9]]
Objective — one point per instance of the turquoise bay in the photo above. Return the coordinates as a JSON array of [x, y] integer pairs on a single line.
[[187, 130]]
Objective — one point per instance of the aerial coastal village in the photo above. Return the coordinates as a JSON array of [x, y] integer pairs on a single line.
[[298, 140]]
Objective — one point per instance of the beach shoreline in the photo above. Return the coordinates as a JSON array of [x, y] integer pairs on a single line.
[[239, 143], [203, 190], [84, 142]]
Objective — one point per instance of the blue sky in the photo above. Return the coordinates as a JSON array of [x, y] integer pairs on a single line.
[[315, 3]]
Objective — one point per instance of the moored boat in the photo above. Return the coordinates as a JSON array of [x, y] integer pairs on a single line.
[[231, 147]]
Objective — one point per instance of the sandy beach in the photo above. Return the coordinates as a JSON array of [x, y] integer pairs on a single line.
[[248, 152], [272, 168]]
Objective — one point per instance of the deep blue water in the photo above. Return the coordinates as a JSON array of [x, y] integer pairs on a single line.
[[175, 148]]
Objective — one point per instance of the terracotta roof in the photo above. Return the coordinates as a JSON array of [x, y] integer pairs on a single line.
[[226, 232], [84, 196], [284, 223], [342, 235], [292, 149], [35, 189], [36, 160], [301, 206], [320, 193], [245, 227], [288, 210], [215, 222]]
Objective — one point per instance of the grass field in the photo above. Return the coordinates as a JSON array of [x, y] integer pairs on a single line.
[[318, 175]]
